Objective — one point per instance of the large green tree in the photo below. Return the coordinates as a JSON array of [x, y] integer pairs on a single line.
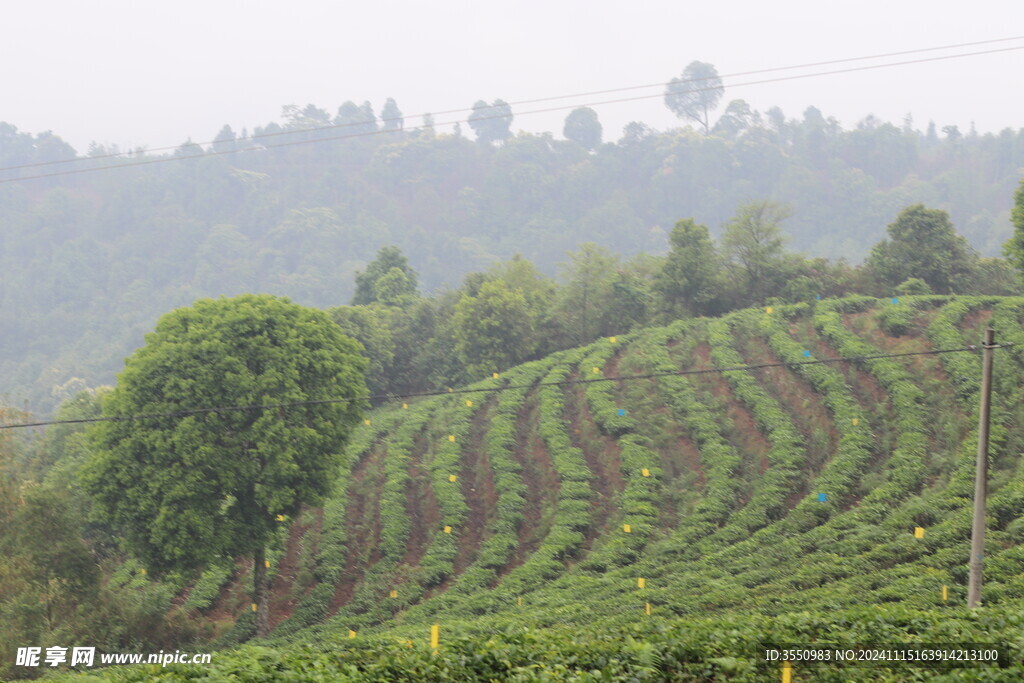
[[924, 244], [187, 489]]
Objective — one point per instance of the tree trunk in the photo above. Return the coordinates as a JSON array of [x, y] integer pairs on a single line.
[[259, 592]]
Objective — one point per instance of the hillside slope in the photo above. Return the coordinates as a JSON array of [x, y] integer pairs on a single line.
[[515, 504], [584, 518]]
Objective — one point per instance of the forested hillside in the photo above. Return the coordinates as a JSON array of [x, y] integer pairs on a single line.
[[607, 509], [91, 259]]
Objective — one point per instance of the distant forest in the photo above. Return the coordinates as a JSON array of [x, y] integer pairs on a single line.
[[90, 260]]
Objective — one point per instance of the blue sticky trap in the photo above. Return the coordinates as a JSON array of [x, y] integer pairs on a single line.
[[818, 297], [821, 497], [622, 411], [807, 354], [895, 300]]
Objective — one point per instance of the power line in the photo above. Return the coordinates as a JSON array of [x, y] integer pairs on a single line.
[[449, 392], [213, 153]]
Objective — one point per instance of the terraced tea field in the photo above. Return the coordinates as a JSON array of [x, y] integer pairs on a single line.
[[552, 516]]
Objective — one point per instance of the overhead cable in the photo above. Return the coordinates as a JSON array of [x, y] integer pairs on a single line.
[[448, 392]]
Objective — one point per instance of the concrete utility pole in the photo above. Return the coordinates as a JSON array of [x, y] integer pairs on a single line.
[[981, 473]]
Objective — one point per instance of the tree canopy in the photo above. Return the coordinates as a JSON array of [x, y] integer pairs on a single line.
[[391, 116], [924, 244], [690, 282], [355, 118], [754, 241], [387, 277], [494, 328], [695, 94], [491, 122], [583, 128], [588, 291], [187, 490]]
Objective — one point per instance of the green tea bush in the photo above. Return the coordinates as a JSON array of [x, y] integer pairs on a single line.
[[601, 395], [896, 320]]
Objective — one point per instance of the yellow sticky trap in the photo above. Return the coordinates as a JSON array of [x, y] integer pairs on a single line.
[[856, 421], [768, 309], [405, 406], [596, 371], [627, 529], [646, 472], [143, 571], [647, 608], [918, 532], [447, 529], [394, 594], [469, 404], [254, 607], [641, 583], [408, 643], [351, 633], [366, 422], [787, 672], [520, 601], [435, 636], [266, 563], [451, 437], [495, 375], [452, 478], [611, 339], [280, 518], [945, 593], [450, 390]]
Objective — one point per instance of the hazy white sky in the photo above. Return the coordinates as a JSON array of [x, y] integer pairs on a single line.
[[142, 73]]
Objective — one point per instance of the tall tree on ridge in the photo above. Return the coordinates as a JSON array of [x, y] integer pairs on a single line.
[[491, 122], [583, 128], [695, 94], [357, 119], [391, 115]]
